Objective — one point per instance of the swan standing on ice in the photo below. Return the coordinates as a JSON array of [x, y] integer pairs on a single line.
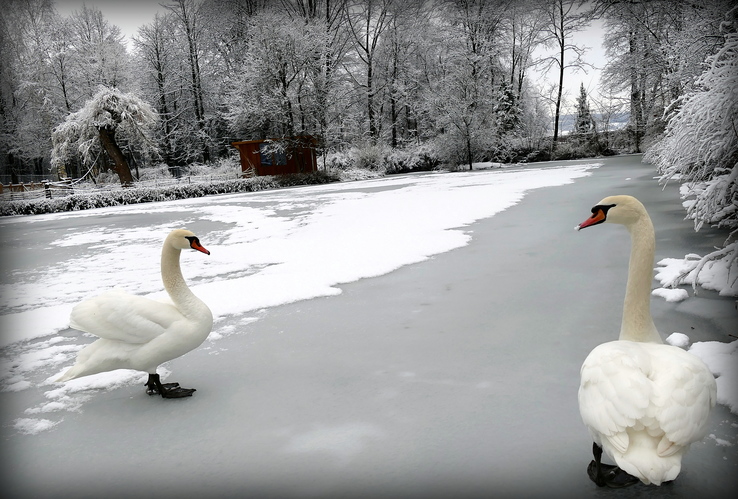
[[140, 333], [643, 402]]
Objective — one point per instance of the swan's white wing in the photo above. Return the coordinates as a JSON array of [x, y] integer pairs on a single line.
[[684, 392], [615, 391], [116, 315], [641, 385]]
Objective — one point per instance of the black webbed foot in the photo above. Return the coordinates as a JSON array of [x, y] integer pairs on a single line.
[[610, 476], [607, 475], [152, 389], [154, 386]]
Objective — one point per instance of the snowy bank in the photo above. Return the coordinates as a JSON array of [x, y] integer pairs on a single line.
[[717, 271]]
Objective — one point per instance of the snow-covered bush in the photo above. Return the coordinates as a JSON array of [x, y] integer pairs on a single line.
[[339, 160], [700, 148], [371, 157], [418, 158], [158, 172], [222, 166], [107, 177]]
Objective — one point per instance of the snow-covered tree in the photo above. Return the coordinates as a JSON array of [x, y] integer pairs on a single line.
[[271, 94], [655, 52], [99, 56], [110, 117], [700, 147], [190, 19]]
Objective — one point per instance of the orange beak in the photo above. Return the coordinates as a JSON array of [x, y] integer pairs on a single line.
[[199, 247], [597, 217]]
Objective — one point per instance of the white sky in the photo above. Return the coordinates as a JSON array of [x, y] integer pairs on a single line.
[[129, 15]]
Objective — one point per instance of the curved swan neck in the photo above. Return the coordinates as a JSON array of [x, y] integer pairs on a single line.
[[637, 324], [174, 283]]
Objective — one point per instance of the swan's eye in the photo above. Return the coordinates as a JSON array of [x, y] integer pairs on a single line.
[[604, 208]]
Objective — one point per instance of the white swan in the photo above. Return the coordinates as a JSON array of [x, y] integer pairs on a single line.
[[644, 402], [140, 333]]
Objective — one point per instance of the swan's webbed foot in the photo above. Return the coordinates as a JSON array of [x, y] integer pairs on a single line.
[[607, 475], [154, 386]]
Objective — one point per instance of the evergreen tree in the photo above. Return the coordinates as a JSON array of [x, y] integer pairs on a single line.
[[584, 123]]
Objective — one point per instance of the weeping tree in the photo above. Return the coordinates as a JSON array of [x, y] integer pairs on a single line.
[[108, 119], [700, 148]]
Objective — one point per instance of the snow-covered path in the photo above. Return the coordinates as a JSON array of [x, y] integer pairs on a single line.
[[456, 376]]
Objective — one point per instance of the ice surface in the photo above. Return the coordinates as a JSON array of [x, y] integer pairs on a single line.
[[454, 377]]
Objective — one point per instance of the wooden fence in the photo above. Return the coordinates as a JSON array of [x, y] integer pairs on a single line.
[[35, 190]]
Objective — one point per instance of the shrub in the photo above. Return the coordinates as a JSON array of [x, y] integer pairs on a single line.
[[371, 157], [134, 195]]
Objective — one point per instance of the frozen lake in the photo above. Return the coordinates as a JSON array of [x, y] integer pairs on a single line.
[[413, 336]]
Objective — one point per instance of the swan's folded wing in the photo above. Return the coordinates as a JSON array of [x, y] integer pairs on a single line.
[[116, 315], [684, 393], [615, 391]]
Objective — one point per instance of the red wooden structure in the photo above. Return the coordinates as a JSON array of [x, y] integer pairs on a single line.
[[278, 156]]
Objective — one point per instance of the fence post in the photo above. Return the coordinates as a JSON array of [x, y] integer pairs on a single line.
[[47, 188]]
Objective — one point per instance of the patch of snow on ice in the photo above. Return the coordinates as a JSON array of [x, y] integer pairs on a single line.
[[671, 295], [680, 340], [722, 359], [719, 441], [31, 426]]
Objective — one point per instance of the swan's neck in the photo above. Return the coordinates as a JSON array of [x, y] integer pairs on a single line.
[[637, 322], [174, 283]]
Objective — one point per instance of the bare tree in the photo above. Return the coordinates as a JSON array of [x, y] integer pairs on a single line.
[[367, 21], [563, 19], [525, 26]]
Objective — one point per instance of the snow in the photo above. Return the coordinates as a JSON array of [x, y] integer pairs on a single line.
[[722, 359], [261, 256], [716, 275], [680, 340], [671, 295], [33, 426]]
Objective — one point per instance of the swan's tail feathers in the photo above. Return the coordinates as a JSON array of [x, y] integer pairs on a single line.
[[78, 370], [642, 460], [68, 374]]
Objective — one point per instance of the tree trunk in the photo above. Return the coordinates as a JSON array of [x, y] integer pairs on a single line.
[[107, 139], [469, 157], [636, 96], [370, 103], [562, 55]]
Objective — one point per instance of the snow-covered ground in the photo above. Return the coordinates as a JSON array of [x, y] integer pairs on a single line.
[[294, 246]]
